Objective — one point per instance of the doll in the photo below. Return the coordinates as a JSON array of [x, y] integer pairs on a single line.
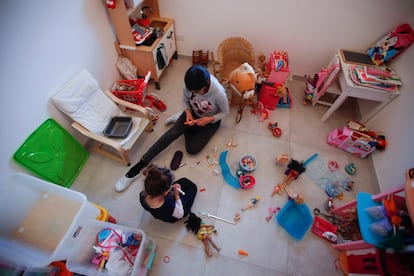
[[203, 232]]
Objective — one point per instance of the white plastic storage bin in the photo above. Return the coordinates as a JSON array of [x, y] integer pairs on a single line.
[[80, 259], [39, 220]]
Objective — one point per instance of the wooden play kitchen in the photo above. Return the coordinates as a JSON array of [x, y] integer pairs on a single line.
[[134, 20]]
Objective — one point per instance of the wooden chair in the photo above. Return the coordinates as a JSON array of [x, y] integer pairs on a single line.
[[91, 109], [231, 53]]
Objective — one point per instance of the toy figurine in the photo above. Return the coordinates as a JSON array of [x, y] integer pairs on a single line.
[[237, 217], [261, 111], [252, 202], [203, 232], [276, 131], [329, 204]]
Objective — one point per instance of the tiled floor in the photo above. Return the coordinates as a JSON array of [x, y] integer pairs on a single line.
[[272, 251]]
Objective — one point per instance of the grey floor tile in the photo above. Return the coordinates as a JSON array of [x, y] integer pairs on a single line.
[[272, 251]]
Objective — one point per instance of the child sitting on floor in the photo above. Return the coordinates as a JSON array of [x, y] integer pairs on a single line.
[[164, 198]]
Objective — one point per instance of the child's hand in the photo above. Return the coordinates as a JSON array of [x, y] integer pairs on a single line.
[[176, 189]]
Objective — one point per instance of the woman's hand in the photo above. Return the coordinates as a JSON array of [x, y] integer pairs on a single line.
[[189, 119], [204, 120]]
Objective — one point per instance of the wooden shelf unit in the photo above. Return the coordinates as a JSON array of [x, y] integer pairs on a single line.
[[143, 57]]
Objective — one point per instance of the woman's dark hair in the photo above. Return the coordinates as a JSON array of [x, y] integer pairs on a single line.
[[157, 181], [196, 77]]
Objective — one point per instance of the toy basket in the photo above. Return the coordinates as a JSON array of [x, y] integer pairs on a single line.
[[133, 91], [248, 163]]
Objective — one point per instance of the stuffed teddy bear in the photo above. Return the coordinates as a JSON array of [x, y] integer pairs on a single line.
[[243, 78]]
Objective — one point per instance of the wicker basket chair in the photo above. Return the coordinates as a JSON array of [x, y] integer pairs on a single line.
[[231, 53]]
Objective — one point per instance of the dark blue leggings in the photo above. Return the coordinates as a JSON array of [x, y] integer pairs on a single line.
[[190, 190], [196, 138]]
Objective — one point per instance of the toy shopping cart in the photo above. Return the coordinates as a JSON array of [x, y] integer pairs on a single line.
[[134, 91]]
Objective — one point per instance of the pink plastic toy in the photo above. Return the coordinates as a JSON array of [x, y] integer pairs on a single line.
[[354, 142]]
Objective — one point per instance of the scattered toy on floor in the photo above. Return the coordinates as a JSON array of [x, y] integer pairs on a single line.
[[231, 143], [351, 169], [295, 168], [272, 212], [225, 171], [247, 181], [283, 94], [356, 139], [261, 111], [276, 131], [237, 217], [282, 159], [252, 202], [205, 214], [203, 232], [329, 204], [333, 166], [324, 229], [194, 164], [248, 163], [333, 189], [298, 198]]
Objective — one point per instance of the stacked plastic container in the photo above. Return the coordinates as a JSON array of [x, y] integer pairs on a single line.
[[80, 259], [39, 220], [43, 223]]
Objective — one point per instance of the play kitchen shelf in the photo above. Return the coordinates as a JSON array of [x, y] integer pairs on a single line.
[[156, 52]]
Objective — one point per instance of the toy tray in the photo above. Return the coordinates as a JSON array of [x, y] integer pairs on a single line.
[[51, 153], [118, 127], [295, 218]]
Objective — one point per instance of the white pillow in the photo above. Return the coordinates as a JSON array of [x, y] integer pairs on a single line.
[[82, 99]]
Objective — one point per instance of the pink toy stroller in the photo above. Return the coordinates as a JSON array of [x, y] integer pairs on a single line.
[[316, 87]]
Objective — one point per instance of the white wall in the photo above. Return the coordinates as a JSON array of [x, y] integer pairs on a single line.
[[397, 122], [310, 30], [44, 42]]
